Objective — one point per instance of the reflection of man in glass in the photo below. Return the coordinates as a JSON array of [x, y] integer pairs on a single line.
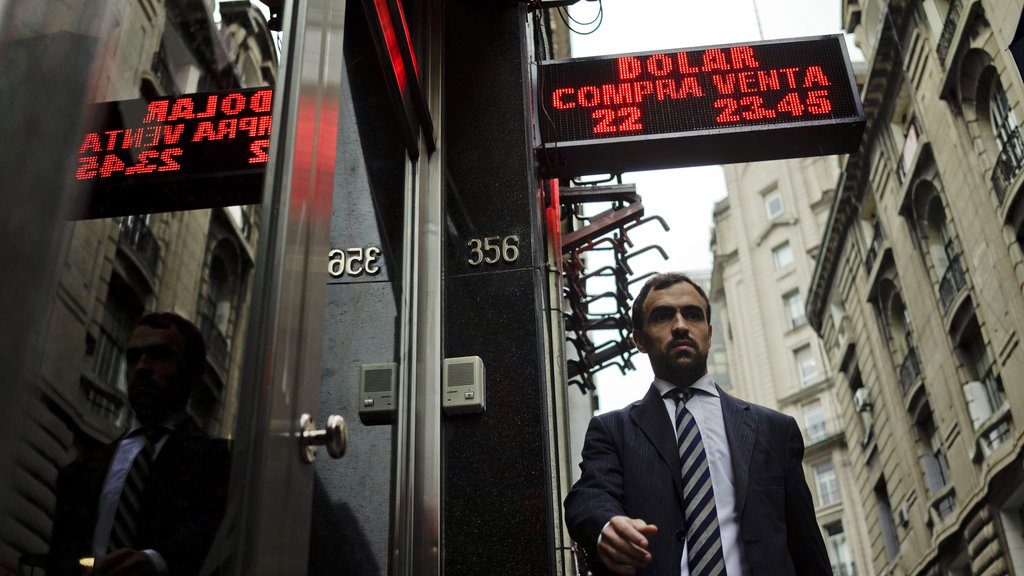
[[150, 502]]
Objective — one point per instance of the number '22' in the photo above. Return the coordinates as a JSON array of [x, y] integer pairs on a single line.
[[621, 120]]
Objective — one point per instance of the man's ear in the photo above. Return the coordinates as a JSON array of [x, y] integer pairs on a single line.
[[709, 333], [638, 339]]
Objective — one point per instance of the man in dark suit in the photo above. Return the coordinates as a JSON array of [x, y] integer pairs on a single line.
[[689, 480], [150, 502]]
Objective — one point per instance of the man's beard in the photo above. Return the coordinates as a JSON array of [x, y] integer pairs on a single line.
[[683, 374], [153, 407]]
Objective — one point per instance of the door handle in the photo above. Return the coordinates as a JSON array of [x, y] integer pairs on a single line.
[[334, 437]]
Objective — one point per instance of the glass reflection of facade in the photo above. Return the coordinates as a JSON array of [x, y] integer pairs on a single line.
[[109, 272]]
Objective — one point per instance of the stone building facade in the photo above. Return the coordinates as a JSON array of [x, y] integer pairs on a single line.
[[917, 289], [197, 263], [766, 232]]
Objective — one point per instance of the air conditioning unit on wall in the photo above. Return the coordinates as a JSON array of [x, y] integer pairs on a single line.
[[862, 399], [903, 515]]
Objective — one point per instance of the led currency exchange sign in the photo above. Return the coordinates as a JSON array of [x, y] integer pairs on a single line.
[[739, 103], [176, 153]]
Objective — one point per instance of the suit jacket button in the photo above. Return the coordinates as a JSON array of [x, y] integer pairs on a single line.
[[680, 535]]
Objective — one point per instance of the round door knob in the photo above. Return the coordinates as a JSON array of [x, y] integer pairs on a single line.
[[334, 437]]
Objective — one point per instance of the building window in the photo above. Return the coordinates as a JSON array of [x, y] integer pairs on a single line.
[[218, 308], [806, 364], [839, 550], [933, 462], [827, 483], [815, 423], [782, 255], [795, 309], [973, 352], [886, 521], [1009, 145], [773, 205], [896, 326], [862, 404], [936, 242], [838, 313], [121, 312], [999, 114], [983, 391]]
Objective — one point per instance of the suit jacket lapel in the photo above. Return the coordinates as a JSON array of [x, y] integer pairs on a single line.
[[740, 428], [650, 416]]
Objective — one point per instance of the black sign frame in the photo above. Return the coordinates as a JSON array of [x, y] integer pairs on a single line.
[[747, 142]]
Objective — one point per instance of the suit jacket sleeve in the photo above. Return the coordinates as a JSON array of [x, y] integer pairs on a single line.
[[806, 546], [597, 495]]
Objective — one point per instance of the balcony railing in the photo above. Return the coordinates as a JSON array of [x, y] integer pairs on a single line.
[[876, 246], [952, 283], [108, 362], [103, 403], [949, 30], [1008, 165], [139, 239], [843, 569], [945, 505], [909, 371], [818, 432]]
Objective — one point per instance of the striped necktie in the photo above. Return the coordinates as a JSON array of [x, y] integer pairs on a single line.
[[129, 507], [703, 539]]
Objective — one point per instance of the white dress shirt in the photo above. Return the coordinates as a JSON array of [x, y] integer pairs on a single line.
[[706, 408], [127, 449]]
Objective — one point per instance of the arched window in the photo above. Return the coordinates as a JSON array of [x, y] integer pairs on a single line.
[[936, 240], [220, 302], [899, 325], [222, 293], [937, 235], [896, 323], [999, 114]]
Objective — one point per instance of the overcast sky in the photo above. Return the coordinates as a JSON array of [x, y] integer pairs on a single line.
[[684, 197]]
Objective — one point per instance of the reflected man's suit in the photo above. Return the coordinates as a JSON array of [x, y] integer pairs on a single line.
[[184, 501]]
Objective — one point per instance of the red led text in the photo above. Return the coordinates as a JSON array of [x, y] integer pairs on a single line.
[[164, 138], [709, 88]]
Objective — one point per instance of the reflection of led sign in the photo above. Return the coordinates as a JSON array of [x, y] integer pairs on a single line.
[[735, 103], [183, 152]]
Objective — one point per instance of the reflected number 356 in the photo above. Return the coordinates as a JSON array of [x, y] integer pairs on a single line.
[[353, 261], [493, 249]]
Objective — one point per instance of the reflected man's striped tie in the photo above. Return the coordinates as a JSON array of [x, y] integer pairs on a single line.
[[126, 520], [703, 539]]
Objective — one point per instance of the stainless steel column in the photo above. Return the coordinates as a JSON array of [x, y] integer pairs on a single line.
[[283, 354], [418, 466]]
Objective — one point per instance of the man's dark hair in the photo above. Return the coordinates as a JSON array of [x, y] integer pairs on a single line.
[[660, 282], [194, 362]]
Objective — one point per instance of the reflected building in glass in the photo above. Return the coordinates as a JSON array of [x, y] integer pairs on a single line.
[[110, 271]]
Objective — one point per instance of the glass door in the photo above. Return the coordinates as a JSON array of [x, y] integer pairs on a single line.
[[167, 206]]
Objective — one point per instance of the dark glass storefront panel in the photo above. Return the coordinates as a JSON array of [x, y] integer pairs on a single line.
[[104, 274]]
